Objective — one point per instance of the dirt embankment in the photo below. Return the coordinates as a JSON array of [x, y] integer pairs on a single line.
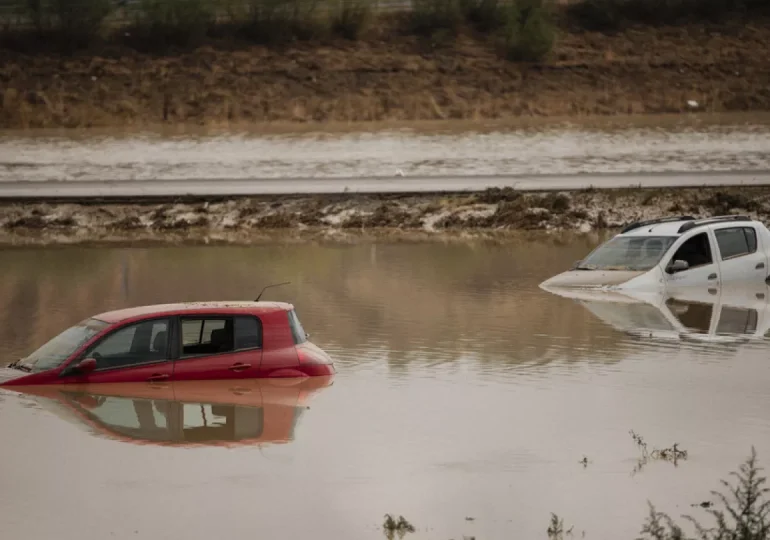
[[244, 219], [391, 76]]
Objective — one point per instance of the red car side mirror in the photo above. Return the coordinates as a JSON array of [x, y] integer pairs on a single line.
[[86, 365]]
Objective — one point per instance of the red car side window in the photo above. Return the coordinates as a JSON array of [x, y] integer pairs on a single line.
[[139, 343]]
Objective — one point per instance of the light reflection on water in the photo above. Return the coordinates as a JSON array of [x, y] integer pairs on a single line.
[[463, 391]]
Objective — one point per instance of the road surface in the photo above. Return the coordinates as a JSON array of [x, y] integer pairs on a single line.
[[391, 184]]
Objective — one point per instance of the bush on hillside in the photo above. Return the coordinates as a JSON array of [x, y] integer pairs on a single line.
[[431, 16], [281, 21], [350, 18], [487, 15], [78, 22], [530, 32], [162, 23], [607, 15]]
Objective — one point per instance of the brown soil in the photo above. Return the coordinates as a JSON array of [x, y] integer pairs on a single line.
[[394, 77], [247, 219]]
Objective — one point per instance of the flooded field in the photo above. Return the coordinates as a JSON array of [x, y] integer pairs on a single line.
[[732, 143], [465, 399]]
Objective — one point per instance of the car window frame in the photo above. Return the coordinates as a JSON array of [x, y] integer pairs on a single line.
[[742, 228], [298, 340], [216, 316], [676, 246], [170, 349]]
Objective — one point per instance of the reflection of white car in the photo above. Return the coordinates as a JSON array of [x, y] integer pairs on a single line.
[[672, 252], [735, 313]]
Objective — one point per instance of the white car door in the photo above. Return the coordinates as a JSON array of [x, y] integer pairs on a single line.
[[698, 249], [741, 257]]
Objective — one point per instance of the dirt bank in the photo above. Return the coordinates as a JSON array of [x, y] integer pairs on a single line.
[[248, 219], [391, 76]]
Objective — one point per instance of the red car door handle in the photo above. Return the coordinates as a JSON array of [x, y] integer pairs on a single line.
[[157, 377], [239, 367]]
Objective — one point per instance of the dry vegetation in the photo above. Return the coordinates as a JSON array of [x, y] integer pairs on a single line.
[[319, 61]]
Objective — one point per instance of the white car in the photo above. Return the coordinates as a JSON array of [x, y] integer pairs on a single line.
[[733, 314], [668, 253]]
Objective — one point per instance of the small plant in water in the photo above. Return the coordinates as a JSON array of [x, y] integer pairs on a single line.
[[746, 513], [556, 528], [672, 454], [400, 526]]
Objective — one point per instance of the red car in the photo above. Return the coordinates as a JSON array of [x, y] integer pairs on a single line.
[[176, 342]]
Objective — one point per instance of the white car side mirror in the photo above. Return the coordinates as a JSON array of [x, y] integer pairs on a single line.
[[677, 266]]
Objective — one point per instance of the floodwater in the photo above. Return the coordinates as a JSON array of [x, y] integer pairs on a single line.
[[730, 143], [463, 391]]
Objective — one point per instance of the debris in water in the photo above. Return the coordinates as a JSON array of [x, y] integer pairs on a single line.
[[672, 454]]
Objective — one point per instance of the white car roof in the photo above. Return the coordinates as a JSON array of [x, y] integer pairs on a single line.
[[660, 229], [671, 228]]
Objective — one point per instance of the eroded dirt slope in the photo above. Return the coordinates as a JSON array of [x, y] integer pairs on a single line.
[[394, 77]]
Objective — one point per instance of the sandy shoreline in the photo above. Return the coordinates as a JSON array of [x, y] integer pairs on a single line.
[[253, 219]]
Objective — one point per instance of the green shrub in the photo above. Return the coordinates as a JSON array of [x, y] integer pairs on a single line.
[[78, 22], [607, 15], [745, 514], [277, 21], [530, 32], [431, 16], [173, 22], [486, 15], [350, 18], [597, 15]]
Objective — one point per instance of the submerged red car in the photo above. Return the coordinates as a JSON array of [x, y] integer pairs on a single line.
[[176, 342]]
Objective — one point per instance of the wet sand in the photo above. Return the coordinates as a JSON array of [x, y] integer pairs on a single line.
[[245, 219]]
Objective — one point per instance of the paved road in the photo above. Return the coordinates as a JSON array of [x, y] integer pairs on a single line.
[[424, 184]]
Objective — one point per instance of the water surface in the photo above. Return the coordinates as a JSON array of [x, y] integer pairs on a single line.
[[463, 391]]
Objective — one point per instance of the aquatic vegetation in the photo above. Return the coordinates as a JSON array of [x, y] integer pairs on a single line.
[[745, 516], [673, 453], [398, 526], [556, 528]]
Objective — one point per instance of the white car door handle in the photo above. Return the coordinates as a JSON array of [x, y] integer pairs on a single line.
[[712, 276], [760, 265]]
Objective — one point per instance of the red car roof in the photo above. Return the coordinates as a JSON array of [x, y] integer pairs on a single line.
[[191, 308]]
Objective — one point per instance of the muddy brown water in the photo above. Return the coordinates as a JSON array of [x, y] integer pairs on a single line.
[[463, 391], [686, 143]]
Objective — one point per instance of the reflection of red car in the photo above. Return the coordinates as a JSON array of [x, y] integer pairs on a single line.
[[176, 342], [186, 413]]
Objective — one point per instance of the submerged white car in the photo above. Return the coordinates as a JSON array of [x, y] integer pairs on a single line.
[[737, 313], [672, 252]]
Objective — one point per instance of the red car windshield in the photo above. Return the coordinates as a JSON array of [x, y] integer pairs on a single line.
[[57, 350]]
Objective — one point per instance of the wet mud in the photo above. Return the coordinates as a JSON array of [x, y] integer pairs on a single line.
[[247, 219], [393, 77]]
